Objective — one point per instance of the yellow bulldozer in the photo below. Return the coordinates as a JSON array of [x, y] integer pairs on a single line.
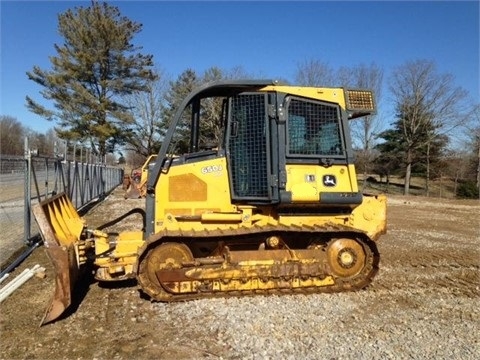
[[135, 184], [272, 208]]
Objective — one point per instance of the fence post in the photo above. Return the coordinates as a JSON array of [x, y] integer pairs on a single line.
[[27, 193]]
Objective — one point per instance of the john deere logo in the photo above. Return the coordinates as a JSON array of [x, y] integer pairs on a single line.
[[329, 180]]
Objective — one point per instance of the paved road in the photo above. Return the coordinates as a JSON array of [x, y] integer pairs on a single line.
[[12, 216], [11, 228]]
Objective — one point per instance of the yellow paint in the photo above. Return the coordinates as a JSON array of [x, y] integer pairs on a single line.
[[201, 189], [305, 182], [334, 95]]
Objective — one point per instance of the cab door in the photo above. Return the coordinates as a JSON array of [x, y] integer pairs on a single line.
[[248, 146]]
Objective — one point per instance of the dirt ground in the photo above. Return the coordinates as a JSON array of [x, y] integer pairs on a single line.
[[431, 244]]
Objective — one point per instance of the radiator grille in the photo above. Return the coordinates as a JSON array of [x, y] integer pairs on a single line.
[[248, 147], [313, 129], [359, 100]]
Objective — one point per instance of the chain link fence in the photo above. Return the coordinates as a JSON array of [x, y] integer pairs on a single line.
[[29, 179]]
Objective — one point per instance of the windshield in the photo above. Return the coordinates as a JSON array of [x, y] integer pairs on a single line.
[[313, 129]]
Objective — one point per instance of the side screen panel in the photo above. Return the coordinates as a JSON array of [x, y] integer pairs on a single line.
[[247, 147]]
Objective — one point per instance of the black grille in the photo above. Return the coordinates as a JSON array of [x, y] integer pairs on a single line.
[[313, 129], [247, 147]]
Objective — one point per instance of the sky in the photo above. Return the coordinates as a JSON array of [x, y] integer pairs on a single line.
[[268, 39]]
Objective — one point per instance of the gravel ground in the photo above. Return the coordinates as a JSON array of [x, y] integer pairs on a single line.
[[423, 304]]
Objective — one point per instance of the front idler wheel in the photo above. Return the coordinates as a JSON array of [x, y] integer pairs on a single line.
[[346, 257]]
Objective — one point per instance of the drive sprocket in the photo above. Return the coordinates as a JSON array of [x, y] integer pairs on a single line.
[[167, 256]]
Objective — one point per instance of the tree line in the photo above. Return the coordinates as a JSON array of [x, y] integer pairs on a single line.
[[106, 93]]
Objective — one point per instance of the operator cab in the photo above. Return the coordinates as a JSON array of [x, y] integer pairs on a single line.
[[283, 145]]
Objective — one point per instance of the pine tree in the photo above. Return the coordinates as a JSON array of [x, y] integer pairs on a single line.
[[406, 150], [428, 104], [179, 89], [93, 68]]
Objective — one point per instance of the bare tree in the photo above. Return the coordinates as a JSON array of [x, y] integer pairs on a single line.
[[365, 128], [318, 73], [475, 131], [238, 72], [212, 123], [314, 73], [11, 136], [43, 143], [146, 108], [427, 103], [473, 142]]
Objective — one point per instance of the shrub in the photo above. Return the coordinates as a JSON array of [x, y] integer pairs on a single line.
[[467, 190]]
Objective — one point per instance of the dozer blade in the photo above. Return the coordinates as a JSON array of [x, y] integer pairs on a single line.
[[60, 227]]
